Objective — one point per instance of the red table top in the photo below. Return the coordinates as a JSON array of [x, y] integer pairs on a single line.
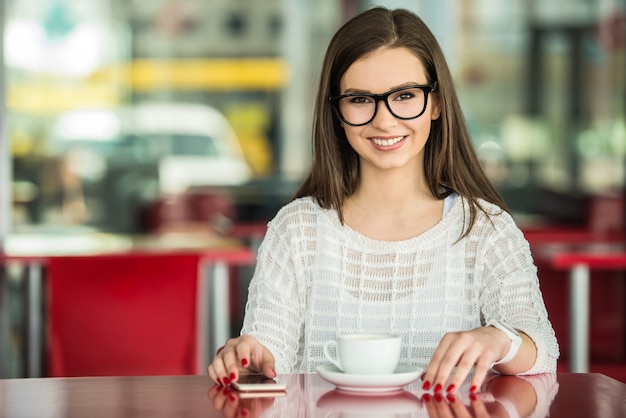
[[596, 261], [556, 395], [210, 248], [595, 255]]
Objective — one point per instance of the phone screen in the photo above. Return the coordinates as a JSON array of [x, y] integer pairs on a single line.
[[258, 383]]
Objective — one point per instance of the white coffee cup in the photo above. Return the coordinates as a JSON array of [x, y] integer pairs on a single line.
[[365, 353]]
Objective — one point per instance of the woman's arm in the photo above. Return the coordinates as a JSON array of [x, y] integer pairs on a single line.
[[276, 295], [510, 293]]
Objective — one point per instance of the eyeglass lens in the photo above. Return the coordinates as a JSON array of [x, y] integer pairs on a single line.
[[404, 104]]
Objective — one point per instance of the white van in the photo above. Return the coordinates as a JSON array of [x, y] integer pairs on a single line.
[[191, 144]]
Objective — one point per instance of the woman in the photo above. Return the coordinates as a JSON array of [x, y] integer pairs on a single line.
[[396, 229]]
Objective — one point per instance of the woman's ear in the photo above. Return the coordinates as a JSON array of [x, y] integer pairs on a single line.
[[436, 108]]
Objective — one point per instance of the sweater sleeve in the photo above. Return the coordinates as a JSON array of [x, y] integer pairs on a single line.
[[510, 289], [275, 306]]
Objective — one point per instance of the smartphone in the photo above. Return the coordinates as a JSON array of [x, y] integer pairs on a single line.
[[258, 383]]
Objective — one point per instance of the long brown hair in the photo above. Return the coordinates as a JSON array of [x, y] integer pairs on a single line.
[[450, 162]]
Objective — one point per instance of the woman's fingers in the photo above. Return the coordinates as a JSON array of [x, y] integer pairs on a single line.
[[433, 367], [241, 355], [482, 368], [455, 357], [221, 368]]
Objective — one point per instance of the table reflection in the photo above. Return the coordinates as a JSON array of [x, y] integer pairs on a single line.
[[500, 396]]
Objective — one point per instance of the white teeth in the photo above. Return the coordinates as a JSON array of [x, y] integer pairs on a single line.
[[387, 142]]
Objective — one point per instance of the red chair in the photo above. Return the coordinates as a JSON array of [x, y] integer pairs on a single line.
[[126, 314]]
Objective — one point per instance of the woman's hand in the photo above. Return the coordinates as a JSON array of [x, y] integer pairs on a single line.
[[241, 355], [479, 348]]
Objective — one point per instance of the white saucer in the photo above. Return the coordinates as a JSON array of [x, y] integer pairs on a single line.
[[370, 382]]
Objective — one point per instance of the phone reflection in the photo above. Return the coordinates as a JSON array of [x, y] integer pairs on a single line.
[[232, 404]]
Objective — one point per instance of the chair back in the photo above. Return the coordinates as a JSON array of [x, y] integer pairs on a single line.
[[126, 314]]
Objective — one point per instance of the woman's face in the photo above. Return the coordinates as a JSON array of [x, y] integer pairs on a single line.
[[387, 142]]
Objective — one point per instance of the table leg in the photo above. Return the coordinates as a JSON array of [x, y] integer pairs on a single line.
[[219, 307], [579, 319], [34, 321], [203, 317], [4, 323]]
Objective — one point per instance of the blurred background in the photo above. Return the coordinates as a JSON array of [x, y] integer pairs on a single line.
[[107, 99], [133, 117]]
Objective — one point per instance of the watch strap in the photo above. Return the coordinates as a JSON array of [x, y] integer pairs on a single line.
[[516, 340]]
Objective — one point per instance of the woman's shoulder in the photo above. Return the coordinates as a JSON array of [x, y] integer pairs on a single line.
[[494, 218], [487, 213], [306, 204], [300, 211]]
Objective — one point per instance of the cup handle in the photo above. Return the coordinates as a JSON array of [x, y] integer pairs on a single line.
[[333, 360]]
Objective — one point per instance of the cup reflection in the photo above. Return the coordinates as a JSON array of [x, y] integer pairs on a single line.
[[353, 404]]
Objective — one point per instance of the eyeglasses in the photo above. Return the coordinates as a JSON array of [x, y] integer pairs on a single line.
[[358, 109]]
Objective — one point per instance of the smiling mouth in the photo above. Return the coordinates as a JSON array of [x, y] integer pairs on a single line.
[[387, 142]]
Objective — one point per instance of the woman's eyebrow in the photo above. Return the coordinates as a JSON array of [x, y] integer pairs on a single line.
[[363, 91]]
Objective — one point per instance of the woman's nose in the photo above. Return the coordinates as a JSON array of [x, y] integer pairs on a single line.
[[383, 117]]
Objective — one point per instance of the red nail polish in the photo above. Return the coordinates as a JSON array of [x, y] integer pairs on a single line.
[[451, 388], [226, 381], [232, 398], [426, 397], [426, 385], [219, 382], [438, 397], [473, 389], [232, 376], [438, 388], [244, 362], [450, 397], [219, 349], [473, 397], [244, 412]]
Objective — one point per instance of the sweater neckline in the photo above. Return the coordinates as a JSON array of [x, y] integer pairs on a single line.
[[448, 217]]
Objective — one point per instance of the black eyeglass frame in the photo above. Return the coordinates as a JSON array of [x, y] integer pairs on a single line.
[[426, 88]]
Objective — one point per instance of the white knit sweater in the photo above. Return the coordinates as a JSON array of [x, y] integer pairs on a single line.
[[316, 279]]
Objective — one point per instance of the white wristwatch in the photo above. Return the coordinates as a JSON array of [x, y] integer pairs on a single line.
[[516, 340]]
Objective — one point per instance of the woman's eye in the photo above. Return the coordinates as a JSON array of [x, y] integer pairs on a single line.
[[405, 96], [360, 100]]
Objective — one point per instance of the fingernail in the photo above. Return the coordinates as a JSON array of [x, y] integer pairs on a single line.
[[426, 385], [473, 397], [226, 391], [438, 388], [451, 388], [226, 381], [450, 398], [473, 389], [438, 397], [244, 412], [232, 398], [244, 362], [219, 381], [426, 397], [219, 349], [232, 376]]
